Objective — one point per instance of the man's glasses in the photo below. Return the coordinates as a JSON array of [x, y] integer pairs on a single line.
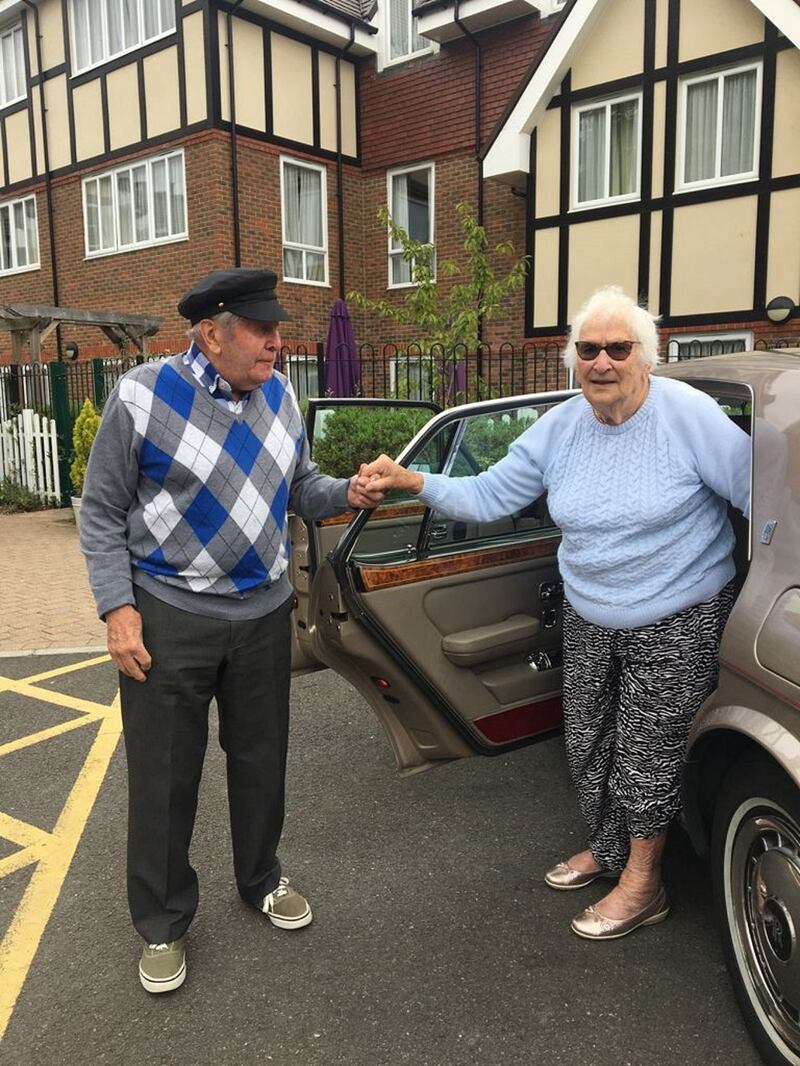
[[616, 350]]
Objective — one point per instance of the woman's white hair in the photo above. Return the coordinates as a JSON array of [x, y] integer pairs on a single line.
[[225, 319], [612, 300]]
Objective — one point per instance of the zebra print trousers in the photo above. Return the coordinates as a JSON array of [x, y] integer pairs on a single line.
[[629, 699]]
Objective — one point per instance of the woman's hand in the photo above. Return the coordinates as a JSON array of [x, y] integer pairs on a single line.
[[384, 473]]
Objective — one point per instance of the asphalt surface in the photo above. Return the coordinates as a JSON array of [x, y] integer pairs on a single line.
[[434, 942]]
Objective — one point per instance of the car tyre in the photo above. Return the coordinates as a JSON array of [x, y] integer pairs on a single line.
[[756, 875]]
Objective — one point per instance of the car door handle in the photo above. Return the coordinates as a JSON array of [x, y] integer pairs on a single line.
[[438, 532]]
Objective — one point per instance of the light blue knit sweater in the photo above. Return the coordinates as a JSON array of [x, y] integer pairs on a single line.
[[641, 506]]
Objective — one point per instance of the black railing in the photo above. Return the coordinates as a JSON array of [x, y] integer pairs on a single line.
[[383, 371]]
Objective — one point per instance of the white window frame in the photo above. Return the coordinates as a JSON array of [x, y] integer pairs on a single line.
[[11, 206], [392, 253], [745, 335], [286, 243], [302, 362], [13, 31], [385, 30], [106, 48], [607, 104], [151, 241], [425, 370], [717, 179]]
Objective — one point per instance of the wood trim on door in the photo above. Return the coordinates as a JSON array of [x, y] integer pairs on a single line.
[[385, 577]]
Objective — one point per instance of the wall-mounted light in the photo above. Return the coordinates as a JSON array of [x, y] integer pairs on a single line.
[[779, 309], [71, 350]]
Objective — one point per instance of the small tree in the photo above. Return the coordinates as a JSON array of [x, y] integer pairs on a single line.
[[83, 434], [446, 319]]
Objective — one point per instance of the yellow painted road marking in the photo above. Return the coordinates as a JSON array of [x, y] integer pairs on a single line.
[[46, 734], [22, 833], [48, 695], [59, 670], [50, 853]]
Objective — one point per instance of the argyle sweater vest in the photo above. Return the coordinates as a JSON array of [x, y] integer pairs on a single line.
[[204, 492]]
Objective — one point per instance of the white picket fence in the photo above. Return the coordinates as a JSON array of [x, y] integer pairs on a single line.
[[29, 454]]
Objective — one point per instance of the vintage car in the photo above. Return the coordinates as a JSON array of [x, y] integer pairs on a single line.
[[451, 631]]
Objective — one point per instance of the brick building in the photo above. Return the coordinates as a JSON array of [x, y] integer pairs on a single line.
[[129, 167]]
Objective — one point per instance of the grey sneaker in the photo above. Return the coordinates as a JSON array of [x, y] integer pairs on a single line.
[[162, 967], [286, 908]]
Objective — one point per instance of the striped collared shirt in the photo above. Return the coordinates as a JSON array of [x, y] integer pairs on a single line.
[[212, 381]]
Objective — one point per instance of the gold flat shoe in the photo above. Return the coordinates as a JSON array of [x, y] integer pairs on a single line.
[[565, 878], [592, 925]]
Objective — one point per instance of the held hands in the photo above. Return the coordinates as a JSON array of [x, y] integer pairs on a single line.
[[124, 637], [373, 480], [384, 473]]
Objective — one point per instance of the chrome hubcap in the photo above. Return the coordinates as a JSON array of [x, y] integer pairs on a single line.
[[763, 903]]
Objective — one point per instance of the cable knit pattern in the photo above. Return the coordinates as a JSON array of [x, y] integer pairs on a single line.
[[641, 506]]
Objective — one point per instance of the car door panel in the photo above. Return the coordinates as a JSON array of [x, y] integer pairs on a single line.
[[450, 629]]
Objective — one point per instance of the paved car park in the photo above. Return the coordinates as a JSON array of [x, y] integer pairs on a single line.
[[434, 941]]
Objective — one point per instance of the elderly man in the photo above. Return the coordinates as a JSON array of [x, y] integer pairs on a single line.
[[184, 529]]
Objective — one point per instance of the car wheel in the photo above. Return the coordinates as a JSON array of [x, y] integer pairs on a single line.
[[756, 873]]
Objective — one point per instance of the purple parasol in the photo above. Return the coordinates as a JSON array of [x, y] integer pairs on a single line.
[[342, 370]]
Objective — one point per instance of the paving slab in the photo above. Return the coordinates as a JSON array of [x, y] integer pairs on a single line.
[[44, 589]]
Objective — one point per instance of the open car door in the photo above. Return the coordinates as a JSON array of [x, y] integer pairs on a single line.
[[341, 433], [450, 630]]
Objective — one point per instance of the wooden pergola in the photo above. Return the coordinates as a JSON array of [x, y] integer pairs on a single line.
[[31, 324]]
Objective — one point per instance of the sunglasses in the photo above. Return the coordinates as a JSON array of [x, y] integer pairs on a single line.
[[616, 350]]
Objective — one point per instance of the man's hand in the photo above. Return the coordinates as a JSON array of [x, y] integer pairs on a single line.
[[384, 473], [124, 636], [361, 493]]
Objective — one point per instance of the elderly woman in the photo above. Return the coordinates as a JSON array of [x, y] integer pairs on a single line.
[[638, 471]]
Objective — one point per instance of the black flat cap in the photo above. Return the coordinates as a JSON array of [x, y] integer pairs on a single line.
[[243, 290]]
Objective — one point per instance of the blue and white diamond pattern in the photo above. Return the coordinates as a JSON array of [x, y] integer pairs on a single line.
[[250, 512], [198, 452], [138, 399], [161, 516]]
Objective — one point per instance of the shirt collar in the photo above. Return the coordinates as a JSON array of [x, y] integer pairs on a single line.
[[209, 378]]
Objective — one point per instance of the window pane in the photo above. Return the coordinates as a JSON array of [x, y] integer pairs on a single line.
[[177, 194], [92, 217], [410, 207], [701, 131], [167, 8], [401, 270], [6, 261], [738, 123], [698, 349], [399, 19], [292, 263], [9, 78], [19, 62], [125, 207], [33, 236], [624, 160], [81, 31], [315, 266], [140, 209], [150, 18], [131, 22], [302, 192], [591, 154], [417, 42], [114, 22], [160, 205], [19, 235], [107, 234]]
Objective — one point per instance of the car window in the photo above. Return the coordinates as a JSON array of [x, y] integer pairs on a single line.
[[402, 528]]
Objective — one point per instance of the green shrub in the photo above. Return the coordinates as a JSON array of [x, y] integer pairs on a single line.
[[488, 439], [14, 497], [83, 434], [354, 435]]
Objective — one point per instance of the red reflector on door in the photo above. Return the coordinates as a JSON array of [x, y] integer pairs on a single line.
[[521, 722], [381, 682]]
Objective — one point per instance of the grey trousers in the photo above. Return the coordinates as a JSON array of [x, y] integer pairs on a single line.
[[630, 696], [246, 665]]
